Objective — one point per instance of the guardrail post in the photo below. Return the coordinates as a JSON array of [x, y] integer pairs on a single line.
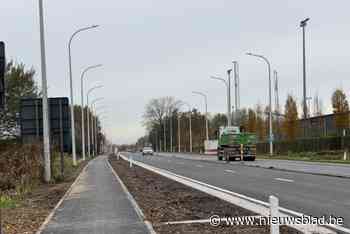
[[274, 214]]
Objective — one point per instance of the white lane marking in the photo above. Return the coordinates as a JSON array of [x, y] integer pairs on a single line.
[[230, 171], [284, 180], [198, 165], [248, 203]]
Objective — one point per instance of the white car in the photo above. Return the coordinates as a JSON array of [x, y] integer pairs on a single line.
[[147, 151]]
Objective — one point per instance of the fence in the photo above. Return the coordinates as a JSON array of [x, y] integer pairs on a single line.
[[321, 144]]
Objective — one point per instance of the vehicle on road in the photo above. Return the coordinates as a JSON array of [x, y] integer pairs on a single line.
[[147, 151], [234, 144]]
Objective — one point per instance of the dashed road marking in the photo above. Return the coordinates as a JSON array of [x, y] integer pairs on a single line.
[[198, 165], [284, 180], [230, 171]]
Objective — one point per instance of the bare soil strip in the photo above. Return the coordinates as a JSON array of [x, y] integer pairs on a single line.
[[32, 210], [163, 200]]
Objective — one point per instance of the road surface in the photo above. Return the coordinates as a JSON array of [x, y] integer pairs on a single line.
[[334, 169], [314, 195]]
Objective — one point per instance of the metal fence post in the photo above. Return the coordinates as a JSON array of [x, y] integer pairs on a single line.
[[274, 214]]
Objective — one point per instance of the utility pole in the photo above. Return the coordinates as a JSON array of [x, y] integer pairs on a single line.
[[229, 114], [303, 25], [46, 130], [178, 132], [164, 133], [277, 104], [171, 132], [236, 81]]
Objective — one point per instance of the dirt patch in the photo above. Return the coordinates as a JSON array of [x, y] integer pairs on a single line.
[[36, 205], [164, 200]]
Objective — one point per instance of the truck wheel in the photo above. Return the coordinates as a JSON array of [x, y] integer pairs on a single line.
[[220, 158]]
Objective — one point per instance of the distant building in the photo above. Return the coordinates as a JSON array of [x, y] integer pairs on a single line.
[[325, 125]]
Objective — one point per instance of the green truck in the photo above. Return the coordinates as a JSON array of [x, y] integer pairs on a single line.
[[234, 144]]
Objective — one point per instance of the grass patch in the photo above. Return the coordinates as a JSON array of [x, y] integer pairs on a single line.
[[325, 157]]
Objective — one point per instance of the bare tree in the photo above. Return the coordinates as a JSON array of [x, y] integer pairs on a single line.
[[156, 112]]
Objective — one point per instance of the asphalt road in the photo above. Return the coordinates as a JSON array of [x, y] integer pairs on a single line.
[[334, 169], [97, 204], [314, 195]]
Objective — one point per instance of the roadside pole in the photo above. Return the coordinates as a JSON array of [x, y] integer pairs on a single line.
[[46, 130], [179, 133], [344, 146]]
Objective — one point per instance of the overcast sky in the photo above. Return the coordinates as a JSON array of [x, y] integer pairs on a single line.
[[153, 48]]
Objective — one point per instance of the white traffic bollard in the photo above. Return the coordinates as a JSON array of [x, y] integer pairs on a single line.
[[345, 148], [118, 156], [345, 155], [274, 214], [130, 161]]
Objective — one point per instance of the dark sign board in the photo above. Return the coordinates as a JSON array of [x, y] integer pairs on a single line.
[[31, 119], [2, 74]]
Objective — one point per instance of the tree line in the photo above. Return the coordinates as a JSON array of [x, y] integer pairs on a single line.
[[20, 83], [166, 124]]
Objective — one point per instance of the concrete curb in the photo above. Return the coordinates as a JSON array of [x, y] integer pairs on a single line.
[[132, 200]]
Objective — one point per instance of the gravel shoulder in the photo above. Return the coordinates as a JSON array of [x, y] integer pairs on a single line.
[[163, 200]]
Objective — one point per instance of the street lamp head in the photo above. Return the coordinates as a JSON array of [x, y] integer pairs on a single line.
[[248, 53], [303, 23], [95, 26]]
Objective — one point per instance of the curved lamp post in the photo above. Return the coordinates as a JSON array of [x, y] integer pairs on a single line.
[[228, 96], [206, 111], [179, 129], [82, 105], [88, 114], [270, 106], [94, 124], [71, 89]]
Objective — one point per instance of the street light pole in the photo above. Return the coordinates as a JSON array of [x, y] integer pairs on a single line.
[[82, 105], [88, 115], [303, 25], [206, 112], [270, 100], [190, 118], [237, 96], [179, 132], [71, 90], [93, 121], [46, 130], [228, 97]]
